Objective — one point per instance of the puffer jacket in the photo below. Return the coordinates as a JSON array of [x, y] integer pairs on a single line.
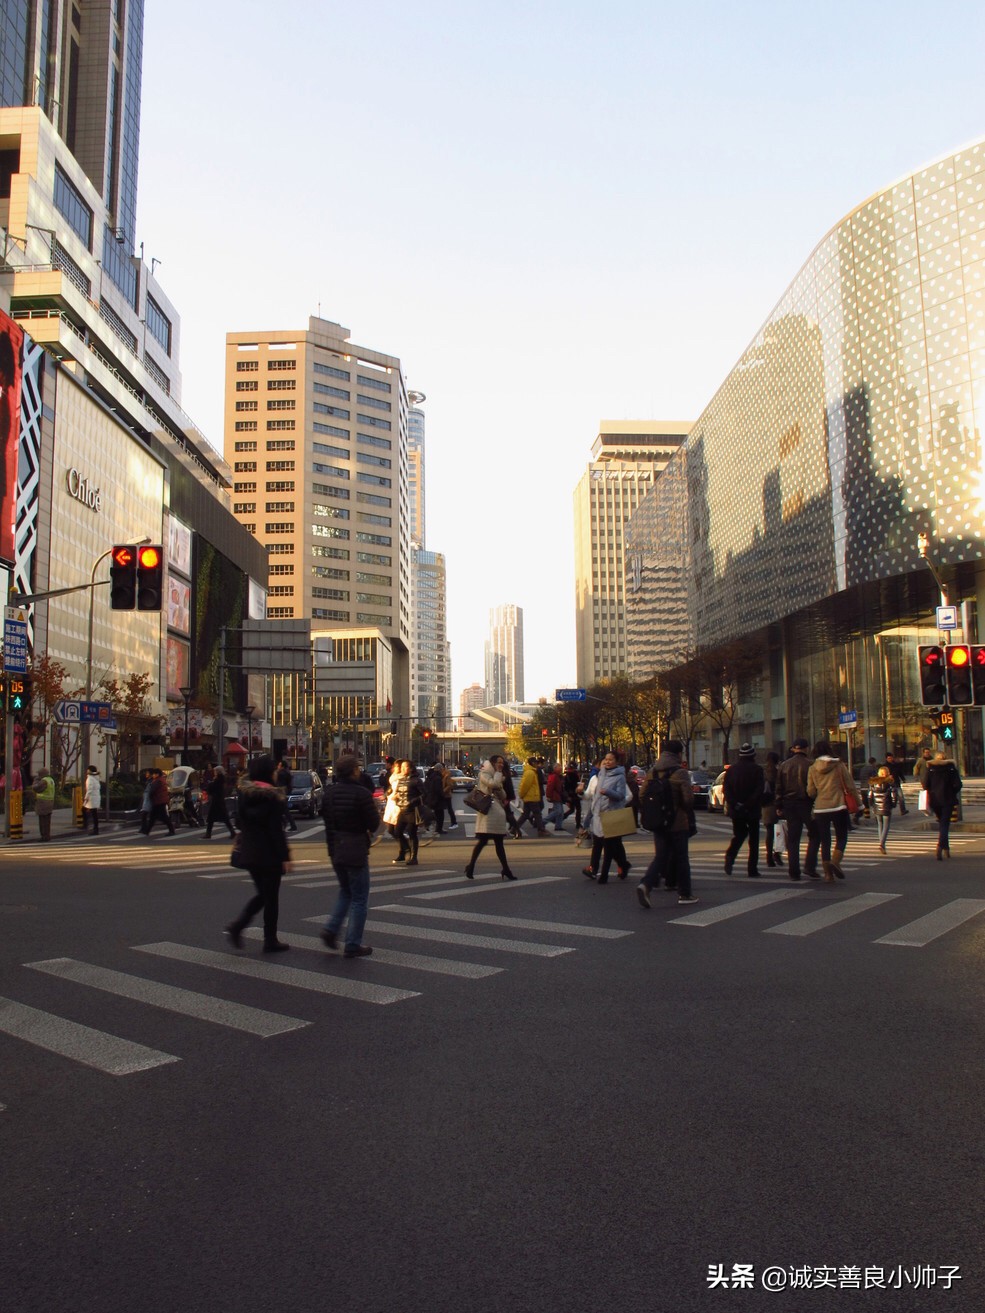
[[828, 781], [530, 785], [680, 787], [260, 813], [349, 808]]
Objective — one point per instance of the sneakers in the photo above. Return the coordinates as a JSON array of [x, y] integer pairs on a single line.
[[689, 899], [357, 950], [643, 895], [453, 827], [329, 940]]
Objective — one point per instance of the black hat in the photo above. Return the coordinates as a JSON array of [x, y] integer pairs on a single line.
[[801, 743], [747, 750]]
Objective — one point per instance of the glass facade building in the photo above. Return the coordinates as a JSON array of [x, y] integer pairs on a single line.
[[850, 425]]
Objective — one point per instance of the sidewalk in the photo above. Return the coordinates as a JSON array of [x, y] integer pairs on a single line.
[[63, 825]]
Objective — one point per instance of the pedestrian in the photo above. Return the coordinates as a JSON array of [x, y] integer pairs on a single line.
[[159, 800], [383, 780], [434, 796], [283, 780], [667, 809], [91, 799], [351, 817], [920, 771], [44, 804], [512, 824], [609, 794], [896, 770], [830, 784], [793, 806], [867, 773], [572, 793], [554, 792], [145, 803], [768, 815], [406, 792], [263, 851], [493, 823], [218, 809], [944, 788], [448, 791], [883, 795], [532, 797], [743, 792], [632, 784]]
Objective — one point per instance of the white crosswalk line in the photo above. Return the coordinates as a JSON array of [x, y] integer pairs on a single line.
[[926, 928], [281, 975], [516, 922], [830, 915], [472, 888], [440, 966], [93, 1048], [711, 915], [238, 1016], [390, 886], [472, 941]]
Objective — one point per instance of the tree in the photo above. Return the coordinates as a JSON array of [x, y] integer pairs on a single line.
[[683, 688], [49, 686], [724, 673], [130, 704]]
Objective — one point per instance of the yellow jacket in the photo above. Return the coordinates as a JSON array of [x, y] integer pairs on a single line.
[[529, 785]]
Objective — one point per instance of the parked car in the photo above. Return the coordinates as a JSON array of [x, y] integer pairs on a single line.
[[716, 797], [701, 786], [305, 793]]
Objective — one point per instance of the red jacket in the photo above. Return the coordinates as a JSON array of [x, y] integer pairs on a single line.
[[555, 787]]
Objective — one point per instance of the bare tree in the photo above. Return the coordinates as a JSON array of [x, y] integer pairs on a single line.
[[129, 701], [724, 673]]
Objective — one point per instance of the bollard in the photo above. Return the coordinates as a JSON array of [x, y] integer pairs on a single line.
[[77, 806], [16, 814]]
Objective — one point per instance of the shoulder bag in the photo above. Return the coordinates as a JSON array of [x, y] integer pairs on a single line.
[[478, 801], [618, 821]]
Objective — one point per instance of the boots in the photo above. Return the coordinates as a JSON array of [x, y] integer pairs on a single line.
[[826, 867], [837, 856], [412, 853]]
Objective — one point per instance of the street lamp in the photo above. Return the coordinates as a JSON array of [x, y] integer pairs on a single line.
[[249, 733], [186, 694]]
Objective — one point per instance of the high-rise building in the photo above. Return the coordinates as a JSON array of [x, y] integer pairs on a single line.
[[430, 673], [468, 701], [627, 456], [415, 468], [504, 655]]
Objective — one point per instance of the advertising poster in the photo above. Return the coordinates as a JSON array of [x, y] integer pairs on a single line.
[[178, 667], [179, 546], [179, 604], [11, 356]]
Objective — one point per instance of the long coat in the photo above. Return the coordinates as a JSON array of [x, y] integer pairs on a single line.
[[494, 820]]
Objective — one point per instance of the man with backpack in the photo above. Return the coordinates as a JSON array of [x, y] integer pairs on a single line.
[[667, 810]]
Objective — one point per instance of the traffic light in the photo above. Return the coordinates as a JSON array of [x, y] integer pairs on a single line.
[[978, 675], [543, 733], [958, 657], [18, 693], [123, 579], [945, 726], [150, 578], [932, 689]]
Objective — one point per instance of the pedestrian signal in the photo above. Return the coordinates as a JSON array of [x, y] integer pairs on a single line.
[[958, 657], [123, 579], [150, 578], [978, 675], [932, 675], [18, 693], [945, 726]]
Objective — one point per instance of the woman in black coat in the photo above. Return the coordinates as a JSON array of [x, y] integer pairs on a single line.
[[944, 788], [407, 792], [263, 851]]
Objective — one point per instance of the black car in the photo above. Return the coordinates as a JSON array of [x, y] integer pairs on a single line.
[[701, 783], [304, 794]]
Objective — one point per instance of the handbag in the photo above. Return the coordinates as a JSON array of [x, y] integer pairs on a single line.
[[851, 802], [478, 801], [236, 857], [618, 821], [391, 812], [425, 814]]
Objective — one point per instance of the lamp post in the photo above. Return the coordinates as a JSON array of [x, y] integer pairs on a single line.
[[186, 694], [249, 734]]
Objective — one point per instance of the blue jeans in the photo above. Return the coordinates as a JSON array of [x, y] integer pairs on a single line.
[[353, 899], [556, 816], [884, 822]]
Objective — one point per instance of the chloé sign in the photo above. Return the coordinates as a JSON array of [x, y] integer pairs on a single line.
[[82, 490]]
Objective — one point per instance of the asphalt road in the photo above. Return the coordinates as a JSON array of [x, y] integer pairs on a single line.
[[570, 1104]]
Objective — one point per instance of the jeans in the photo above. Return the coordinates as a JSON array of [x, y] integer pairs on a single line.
[[943, 815], [534, 813], [797, 816], [353, 899], [671, 862], [613, 850], [556, 816], [884, 823], [743, 828]]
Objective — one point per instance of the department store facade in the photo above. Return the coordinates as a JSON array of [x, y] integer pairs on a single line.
[[852, 424]]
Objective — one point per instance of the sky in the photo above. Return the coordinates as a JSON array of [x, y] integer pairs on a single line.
[[554, 214]]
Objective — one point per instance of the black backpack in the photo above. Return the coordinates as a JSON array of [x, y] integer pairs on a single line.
[[657, 808]]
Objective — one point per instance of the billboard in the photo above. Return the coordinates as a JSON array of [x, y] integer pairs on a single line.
[[11, 357]]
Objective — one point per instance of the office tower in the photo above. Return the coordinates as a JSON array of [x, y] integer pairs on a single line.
[[415, 467], [504, 656], [430, 672], [627, 456], [468, 701]]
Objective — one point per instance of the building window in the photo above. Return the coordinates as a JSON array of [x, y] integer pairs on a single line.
[[329, 429], [70, 205], [280, 465], [249, 527], [246, 385], [280, 444], [332, 594], [280, 508], [281, 549], [282, 569], [319, 613], [278, 403], [326, 391], [245, 426], [281, 384], [374, 599], [371, 499], [158, 374], [326, 490], [244, 507], [333, 471], [280, 485], [334, 553], [373, 401], [273, 365], [280, 612], [365, 518], [331, 371], [367, 439], [368, 618], [285, 526], [281, 590], [329, 571], [377, 383], [323, 449], [330, 512], [380, 461], [373, 422], [380, 539], [243, 488], [376, 479], [282, 424], [336, 411], [328, 531], [247, 366], [244, 466], [244, 446], [158, 323], [246, 405], [373, 558], [363, 578]]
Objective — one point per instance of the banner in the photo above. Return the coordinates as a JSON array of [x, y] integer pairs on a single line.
[[11, 356]]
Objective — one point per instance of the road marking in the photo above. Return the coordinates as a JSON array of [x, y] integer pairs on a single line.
[[391, 886], [441, 966], [515, 922], [280, 975], [485, 888], [937, 923], [830, 915], [711, 915], [93, 1048], [255, 1021], [472, 941]]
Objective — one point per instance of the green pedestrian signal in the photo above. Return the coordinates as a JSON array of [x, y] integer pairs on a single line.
[[18, 693]]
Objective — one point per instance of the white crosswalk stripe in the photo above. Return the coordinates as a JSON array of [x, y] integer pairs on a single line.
[[440, 966], [831, 915], [514, 922], [936, 923], [520, 946], [738, 907], [254, 1021], [93, 1048], [497, 883]]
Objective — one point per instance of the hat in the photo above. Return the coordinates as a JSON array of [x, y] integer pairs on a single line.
[[747, 750], [801, 743]]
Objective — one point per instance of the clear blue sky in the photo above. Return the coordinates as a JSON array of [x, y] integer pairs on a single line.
[[553, 213]]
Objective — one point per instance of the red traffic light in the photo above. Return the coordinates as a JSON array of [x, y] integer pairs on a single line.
[[123, 556], [149, 558]]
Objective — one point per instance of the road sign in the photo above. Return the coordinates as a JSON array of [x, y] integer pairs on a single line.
[[847, 719], [75, 711], [570, 695], [14, 640], [947, 617]]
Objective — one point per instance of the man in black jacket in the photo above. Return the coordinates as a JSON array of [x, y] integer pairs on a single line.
[[350, 817], [743, 790], [794, 806]]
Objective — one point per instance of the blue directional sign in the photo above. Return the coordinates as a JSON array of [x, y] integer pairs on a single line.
[[14, 641], [847, 719], [75, 711], [570, 695]]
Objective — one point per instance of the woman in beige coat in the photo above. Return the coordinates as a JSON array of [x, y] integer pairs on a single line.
[[828, 783], [491, 824]]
